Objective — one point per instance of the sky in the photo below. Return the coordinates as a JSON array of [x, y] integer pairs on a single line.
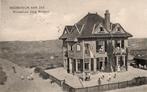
[[131, 14]]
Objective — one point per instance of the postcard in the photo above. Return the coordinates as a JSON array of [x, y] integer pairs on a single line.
[[73, 46]]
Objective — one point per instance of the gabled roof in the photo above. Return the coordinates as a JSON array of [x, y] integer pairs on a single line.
[[85, 27], [89, 20], [69, 28], [66, 32], [121, 33]]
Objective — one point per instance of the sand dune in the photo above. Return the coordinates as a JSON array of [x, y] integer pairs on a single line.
[[15, 84]]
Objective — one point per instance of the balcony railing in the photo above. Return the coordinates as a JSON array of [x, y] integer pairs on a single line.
[[70, 53], [118, 50], [101, 54]]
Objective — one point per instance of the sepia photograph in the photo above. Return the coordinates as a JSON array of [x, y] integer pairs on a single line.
[[73, 46]]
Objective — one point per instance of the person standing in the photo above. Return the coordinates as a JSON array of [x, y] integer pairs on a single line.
[[14, 70], [99, 81]]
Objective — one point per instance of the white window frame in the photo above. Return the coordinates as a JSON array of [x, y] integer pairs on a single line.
[[78, 47]]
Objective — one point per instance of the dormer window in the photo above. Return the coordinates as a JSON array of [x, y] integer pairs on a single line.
[[101, 29], [118, 29], [65, 32]]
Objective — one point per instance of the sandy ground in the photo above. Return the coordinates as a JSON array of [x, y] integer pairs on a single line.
[[120, 76], [74, 81], [15, 84], [61, 74]]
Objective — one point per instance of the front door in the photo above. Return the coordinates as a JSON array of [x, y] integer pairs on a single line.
[[73, 66], [80, 65], [86, 66], [92, 64]]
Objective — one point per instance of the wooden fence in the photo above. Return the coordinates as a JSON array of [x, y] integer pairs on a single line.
[[65, 86], [100, 88]]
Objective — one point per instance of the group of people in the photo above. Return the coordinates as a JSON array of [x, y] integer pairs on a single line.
[[22, 77], [108, 78], [86, 76], [29, 77]]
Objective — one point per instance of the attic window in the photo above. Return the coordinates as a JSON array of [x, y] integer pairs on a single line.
[[118, 29], [65, 32], [101, 29]]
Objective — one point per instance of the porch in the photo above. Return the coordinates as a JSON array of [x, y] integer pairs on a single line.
[[86, 65]]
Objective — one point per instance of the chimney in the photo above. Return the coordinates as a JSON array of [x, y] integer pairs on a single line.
[[107, 20]]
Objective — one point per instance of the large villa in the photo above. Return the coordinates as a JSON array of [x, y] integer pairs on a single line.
[[95, 44]]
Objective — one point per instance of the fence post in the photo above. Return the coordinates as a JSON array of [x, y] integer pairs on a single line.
[[127, 84], [98, 87], [108, 86], [145, 80], [118, 85]]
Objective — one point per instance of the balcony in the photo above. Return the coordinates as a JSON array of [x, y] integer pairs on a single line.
[[70, 53], [119, 50], [65, 53], [101, 54]]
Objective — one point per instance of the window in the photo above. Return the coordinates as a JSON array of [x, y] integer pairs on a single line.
[[70, 47], [79, 64], [101, 29], [100, 61], [97, 63], [87, 48], [117, 43], [122, 43], [100, 46], [92, 64], [118, 29], [78, 47], [86, 66], [65, 32]]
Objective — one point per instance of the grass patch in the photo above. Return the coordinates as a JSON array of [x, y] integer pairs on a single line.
[[3, 76]]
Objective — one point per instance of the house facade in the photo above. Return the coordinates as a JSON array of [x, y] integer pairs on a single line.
[[95, 44]]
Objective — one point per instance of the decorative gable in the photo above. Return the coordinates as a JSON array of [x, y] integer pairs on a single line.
[[79, 28], [65, 31], [99, 29], [118, 29]]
